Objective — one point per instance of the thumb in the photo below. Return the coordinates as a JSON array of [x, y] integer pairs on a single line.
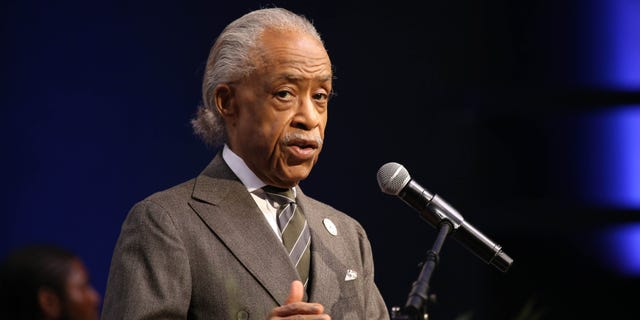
[[296, 292]]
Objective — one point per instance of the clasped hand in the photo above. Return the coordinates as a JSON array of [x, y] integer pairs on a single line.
[[295, 308]]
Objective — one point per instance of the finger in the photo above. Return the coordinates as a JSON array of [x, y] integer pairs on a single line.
[[298, 308], [295, 293]]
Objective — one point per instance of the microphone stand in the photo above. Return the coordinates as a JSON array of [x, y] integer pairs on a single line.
[[415, 307]]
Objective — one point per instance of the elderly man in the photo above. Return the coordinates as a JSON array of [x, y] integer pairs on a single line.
[[241, 240]]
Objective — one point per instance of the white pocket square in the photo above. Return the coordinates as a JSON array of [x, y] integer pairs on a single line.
[[351, 275]]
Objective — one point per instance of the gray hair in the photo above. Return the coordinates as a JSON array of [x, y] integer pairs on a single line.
[[230, 60]]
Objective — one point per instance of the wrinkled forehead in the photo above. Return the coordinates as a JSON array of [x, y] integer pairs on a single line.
[[278, 48]]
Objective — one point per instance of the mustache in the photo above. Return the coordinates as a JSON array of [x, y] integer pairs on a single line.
[[300, 136]]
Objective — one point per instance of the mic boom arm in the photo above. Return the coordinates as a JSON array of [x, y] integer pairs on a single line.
[[394, 179]]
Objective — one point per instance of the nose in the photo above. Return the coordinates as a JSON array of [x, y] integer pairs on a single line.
[[95, 296], [308, 115]]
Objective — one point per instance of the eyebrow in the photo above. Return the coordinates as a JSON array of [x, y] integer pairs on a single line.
[[296, 78]]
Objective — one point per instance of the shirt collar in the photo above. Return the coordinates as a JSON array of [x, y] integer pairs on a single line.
[[240, 168], [242, 171]]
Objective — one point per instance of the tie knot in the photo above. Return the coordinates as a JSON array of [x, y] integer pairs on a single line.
[[280, 195]]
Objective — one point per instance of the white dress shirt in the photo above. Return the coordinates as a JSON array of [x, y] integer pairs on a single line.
[[254, 185]]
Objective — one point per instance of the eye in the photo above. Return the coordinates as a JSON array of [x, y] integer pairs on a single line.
[[320, 96], [283, 94]]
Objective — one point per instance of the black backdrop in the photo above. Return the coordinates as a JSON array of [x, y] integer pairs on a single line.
[[477, 99]]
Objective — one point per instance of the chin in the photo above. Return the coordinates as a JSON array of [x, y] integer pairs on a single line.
[[295, 171], [296, 175]]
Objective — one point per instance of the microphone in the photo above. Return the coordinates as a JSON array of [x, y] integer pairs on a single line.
[[394, 179]]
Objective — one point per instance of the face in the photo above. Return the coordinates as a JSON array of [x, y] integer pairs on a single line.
[[82, 299], [276, 117]]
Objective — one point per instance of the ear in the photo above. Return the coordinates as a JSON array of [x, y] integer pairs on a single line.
[[223, 97], [50, 303]]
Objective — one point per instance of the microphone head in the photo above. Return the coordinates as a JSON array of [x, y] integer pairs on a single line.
[[392, 178]]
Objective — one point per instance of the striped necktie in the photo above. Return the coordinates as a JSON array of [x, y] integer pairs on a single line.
[[294, 229]]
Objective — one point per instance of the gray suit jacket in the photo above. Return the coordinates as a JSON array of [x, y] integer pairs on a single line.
[[203, 250]]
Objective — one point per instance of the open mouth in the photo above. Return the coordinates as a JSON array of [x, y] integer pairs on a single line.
[[304, 144], [303, 149]]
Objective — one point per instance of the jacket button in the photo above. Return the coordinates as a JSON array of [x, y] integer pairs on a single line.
[[243, 315]]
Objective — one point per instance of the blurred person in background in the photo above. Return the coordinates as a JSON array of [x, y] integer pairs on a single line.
[[46, 282]]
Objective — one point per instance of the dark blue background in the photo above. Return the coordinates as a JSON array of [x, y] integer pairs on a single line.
[[480, 100]]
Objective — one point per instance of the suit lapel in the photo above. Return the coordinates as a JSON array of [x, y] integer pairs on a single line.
[[224, 204]]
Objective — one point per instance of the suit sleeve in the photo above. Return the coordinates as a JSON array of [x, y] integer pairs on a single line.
[[149, 276], [374, 303]]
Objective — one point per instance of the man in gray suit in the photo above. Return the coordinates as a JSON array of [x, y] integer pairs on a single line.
[[219, 246]]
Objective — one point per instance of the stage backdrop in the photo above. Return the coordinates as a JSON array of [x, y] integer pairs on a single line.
[[524, 116]]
